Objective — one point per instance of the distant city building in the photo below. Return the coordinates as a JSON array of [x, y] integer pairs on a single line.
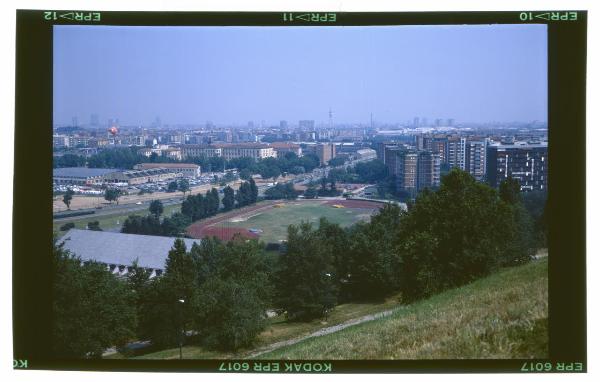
[[456, 152], [380, 148], [169, 152], [283, 125], [283, 147], [306, 124], [60, 141], [325, 152], [366, 154], [256, 151], [94, 120], [475, 157], [527, 163], [428, 170], [414, 170], [199, 151], [187, 169], [77, 141]]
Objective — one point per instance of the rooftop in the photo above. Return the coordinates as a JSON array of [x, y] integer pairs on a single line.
[[166, 165], [81, 172], [121, 248], [522, 145]]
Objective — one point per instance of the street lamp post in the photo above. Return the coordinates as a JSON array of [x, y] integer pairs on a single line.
[[181, 301]]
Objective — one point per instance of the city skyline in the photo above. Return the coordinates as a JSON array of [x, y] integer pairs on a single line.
[[237, 74]]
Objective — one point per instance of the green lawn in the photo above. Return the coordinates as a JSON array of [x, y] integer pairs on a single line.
[[109, 222], [504, 315], [274, 221]]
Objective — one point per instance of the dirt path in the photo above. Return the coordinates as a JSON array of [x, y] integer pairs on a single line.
[[321, 332]]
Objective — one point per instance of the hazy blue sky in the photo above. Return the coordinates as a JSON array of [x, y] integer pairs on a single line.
[[237, 74]]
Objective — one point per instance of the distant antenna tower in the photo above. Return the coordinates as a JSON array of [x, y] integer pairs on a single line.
[[371, 120], [330, 118]]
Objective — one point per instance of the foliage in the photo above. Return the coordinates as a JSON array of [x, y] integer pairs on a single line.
[[151, 225], [172, 187], [338, 160], [92, 309], [233, 294], [124, 158], [156, 208], [67, 226], [228, 198], [112, 194], [369, 265], [68, 160], [183, 185], [281, 191], [310, 193], [199, 206], [305, 281], [245, 194], [68, 197], [461, 232], [94, 226]]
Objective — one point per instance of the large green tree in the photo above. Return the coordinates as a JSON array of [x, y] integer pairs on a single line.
[[168, 300], [228, 198], [305, 281], [68, 197], [461, 232], [112, 194], [156, 208], [92, 309], [232, 301]]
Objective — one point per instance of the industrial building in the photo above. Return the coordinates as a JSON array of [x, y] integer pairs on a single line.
[[118, 251], [82, 176], [133, 177], [187, 169]]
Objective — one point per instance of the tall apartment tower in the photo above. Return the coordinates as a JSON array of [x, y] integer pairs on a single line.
[[428, 170], [456, 152], [475, 158], [325, 152], [527, 163], [414, 170]]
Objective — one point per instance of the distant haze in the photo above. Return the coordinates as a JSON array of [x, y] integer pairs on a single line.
[[240, 74]]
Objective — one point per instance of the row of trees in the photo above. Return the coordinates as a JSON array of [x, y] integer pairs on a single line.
[[447, 238], [153, 225]]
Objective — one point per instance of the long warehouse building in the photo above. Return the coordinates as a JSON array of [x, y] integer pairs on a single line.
[[118, 251]]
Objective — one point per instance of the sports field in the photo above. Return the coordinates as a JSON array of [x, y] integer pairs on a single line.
[[271, 223]]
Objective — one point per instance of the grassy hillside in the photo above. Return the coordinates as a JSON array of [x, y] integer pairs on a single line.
[[502, 316]]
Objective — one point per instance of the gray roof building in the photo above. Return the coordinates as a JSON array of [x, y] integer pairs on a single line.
[[119, 250], [82, 172]]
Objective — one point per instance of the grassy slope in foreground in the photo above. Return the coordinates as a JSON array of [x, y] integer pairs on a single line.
[[501, 316]]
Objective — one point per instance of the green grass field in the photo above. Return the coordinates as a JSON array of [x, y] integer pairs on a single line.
[[504, 315], [274, 221], [500, 316], [108, 222]]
